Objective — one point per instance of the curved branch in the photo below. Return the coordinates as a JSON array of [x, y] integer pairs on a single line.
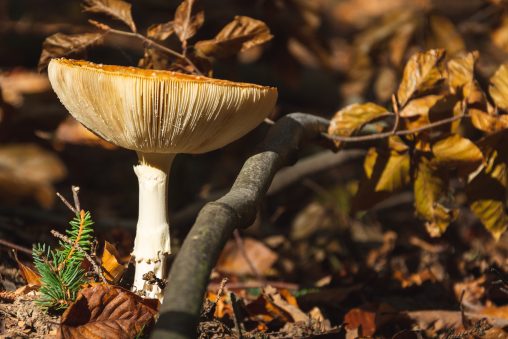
[[179, 315]]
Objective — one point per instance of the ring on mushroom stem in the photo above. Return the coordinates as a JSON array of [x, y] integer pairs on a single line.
[[158, 114]]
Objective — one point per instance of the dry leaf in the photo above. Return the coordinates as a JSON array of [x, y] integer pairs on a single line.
[[232, 260], [386, 171], [461, 71], [287, 304], [239, 35], [19, 82], [70, 131], [363, 321], [500, 35], [186, 23], [117, 9], [430, 188], [110, 262], [445, 35], [62, 45], [30, 276], [499, 87], [455, 150], [161, 31], [106, 311], [420, 106], [26, 170], [486, 191], [422, 72], [352, 118]]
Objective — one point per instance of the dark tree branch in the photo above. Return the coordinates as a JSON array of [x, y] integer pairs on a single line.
[[216, 222]]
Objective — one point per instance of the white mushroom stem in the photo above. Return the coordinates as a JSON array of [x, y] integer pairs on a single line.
[[152, 246]]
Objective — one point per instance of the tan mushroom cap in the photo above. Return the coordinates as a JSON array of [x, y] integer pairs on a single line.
[[159, 111]]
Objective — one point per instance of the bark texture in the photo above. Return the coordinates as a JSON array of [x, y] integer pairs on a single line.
[[183, 297]]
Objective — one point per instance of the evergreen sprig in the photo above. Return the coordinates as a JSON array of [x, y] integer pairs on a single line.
[[61, 269]]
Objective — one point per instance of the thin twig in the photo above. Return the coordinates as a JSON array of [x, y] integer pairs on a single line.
[[75, 191], [67, 203], [152, 43], [15, 247], [96, 267], [382, 135], [245, 255]]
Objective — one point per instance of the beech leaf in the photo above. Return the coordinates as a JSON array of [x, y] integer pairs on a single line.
[[430, 187], [461, 71], [420, 106], [455, 150], [161, 31], [106, 311], [117, 9], [422, 72], [237, 36], [486, 191], [186, 24], [499, 87], [110, 262], [63, 45], [386, 171], [352, 118]]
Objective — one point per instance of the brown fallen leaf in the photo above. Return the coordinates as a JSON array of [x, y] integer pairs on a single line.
[[232, 260], [499, 87], [361, 321], [15, 84], [286, 302], [106, 311], [117, 9], [70, 131], [30, 276], [62, 45], [239, 35], [28, 171], [110, 261]]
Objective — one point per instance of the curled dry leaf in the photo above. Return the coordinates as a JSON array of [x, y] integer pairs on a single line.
[[63, 45], [499, 87], [26, 170], [237, 36], [186, 23], [352, 118], [420, 106], [70, 131], [430, 187], [421, 74], [30, 276], [461, 71], [110, 262], [106, 311], [361, 321], [117, 9]]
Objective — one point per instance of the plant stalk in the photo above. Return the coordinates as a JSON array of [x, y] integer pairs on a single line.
[[152, 244]]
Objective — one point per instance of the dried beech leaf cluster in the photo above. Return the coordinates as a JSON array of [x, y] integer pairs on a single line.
[[435, 88], [196, 58]]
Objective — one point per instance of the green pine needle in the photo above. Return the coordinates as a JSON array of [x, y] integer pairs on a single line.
[[60, 269]]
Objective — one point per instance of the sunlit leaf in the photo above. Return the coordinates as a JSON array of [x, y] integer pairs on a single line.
[[186, 22], [430, 191], [110, 262], [422, 72], [62, 45], [455, 150], [499, 87], [239, 35], [420, 106], [486, 190], [461, 71], [386, 171], [117, 9], [352, 118]]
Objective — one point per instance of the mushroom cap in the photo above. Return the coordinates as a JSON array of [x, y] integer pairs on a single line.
[[159, 111]]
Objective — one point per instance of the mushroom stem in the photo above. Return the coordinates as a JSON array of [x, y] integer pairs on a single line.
[[152, 246]]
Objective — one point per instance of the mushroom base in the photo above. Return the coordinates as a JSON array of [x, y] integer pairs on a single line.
[[152, 244]]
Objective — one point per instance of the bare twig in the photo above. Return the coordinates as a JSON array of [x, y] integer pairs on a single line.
[[149, 42], [232, 286], [76, 246], [18, 248], [383, 135], [67, 203], [75, 192]]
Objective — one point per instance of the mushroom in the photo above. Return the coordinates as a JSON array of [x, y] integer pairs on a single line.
[[158, 114]]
